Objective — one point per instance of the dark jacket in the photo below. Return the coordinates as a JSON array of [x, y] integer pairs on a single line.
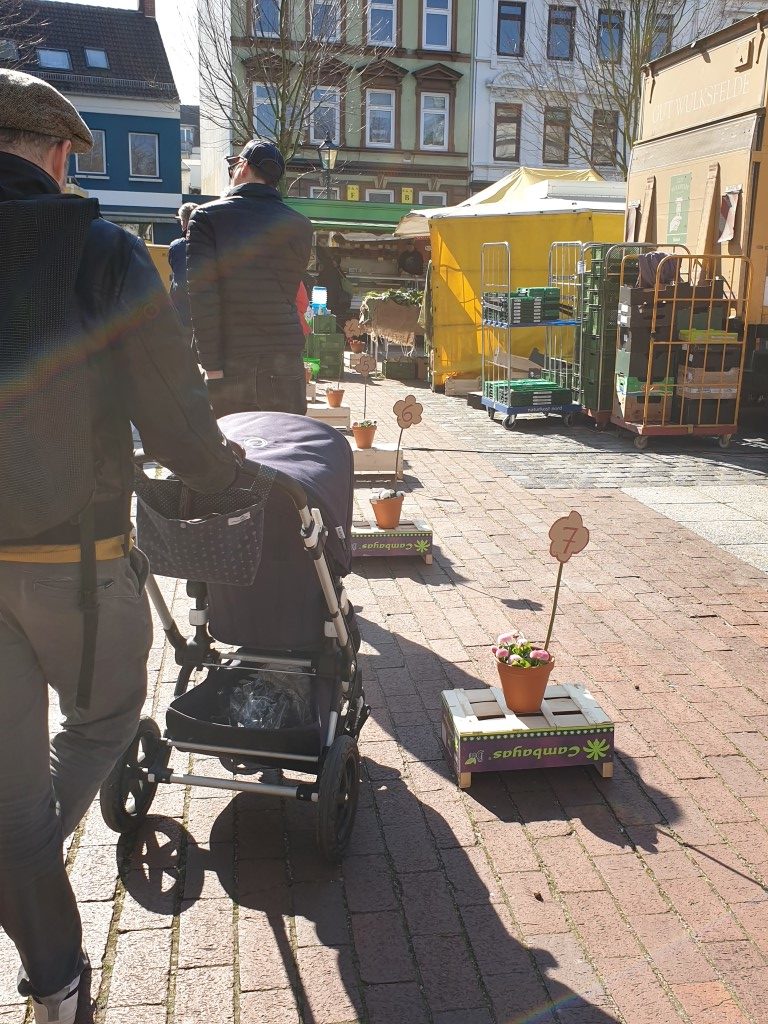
[[177, 258], [246, 254], [141, 371]]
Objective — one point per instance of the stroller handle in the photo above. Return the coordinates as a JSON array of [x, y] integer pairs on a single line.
[[292, 487], [286, 483]]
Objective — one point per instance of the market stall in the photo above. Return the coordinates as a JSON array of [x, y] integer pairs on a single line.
[[530, 209]]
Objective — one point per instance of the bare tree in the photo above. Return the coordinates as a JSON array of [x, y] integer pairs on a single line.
[[586, 70], [266, 66], [20, 26]]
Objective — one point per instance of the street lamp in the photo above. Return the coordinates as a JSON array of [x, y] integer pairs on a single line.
[[328, 152]]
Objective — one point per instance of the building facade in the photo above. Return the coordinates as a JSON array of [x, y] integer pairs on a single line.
[[395, 96], [190, 149], [111, 64], [531, 106]]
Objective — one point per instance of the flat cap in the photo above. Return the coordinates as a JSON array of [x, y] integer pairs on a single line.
[[28, 104]]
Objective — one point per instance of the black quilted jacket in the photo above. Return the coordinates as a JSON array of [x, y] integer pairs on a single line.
[[246, 255]]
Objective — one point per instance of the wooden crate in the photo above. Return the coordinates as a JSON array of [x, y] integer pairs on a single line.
[[411, 539], [481, 734], [379, 461], [340, 417]]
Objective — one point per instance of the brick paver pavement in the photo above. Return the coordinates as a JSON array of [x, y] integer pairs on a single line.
[[541, 896]]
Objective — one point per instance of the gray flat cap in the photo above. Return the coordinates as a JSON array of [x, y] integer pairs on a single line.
[[28, 104]]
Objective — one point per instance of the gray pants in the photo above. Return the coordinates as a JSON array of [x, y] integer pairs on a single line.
[[45, 789]]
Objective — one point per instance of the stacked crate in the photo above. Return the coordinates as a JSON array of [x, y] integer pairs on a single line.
[[531, 394], [327, 344], [599, 303], [708, 377], [521, 307]]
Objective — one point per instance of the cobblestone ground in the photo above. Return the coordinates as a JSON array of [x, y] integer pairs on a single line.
[[539, 896]]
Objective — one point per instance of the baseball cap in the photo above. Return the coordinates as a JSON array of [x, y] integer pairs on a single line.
[[262, 156], [28, 104]]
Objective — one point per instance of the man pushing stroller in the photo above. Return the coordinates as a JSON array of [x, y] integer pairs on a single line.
[[89, 343]]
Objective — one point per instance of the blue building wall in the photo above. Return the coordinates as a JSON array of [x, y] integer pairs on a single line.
[[117, 128]]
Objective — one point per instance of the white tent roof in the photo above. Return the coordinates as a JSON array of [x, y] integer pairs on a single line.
[[526, 191]]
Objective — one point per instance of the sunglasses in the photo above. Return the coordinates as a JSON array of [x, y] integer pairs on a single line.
[[232, 162]]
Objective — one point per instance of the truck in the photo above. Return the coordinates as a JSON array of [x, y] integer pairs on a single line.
[[696, 177]]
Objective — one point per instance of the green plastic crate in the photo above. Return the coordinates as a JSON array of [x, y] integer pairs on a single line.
[[324, 323]]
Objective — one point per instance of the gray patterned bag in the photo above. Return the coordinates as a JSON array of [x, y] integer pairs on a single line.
[[211, 538]]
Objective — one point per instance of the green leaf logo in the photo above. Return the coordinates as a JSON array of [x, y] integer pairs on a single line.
[[422, 546], [596, 749]]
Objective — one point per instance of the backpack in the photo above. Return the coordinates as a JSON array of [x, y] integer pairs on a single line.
[[46, 457], [46, 464]]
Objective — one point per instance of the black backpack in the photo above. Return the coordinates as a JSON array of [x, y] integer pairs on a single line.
[[46, 458]]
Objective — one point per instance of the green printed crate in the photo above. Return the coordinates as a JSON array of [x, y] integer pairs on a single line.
[[635, 386], [399, 369], [545, 293], [710, 336], [324, 323]]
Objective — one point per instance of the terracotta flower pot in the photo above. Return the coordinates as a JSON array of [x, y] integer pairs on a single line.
[[524, 688], [356, 345], [387, 512], [334, 397], [364, 435]]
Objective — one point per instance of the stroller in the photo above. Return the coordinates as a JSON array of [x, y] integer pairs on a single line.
[[290, 695]]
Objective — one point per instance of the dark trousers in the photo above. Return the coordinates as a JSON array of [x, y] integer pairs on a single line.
[[266, 384]]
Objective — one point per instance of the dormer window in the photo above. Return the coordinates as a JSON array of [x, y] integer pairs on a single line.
[[96, 58], [8, 50], [58, 59]]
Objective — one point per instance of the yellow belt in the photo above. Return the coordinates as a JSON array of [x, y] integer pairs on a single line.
[[110, 547]]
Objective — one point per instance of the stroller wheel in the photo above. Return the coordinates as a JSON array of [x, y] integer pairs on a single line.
[[126, 794], [337, 799]]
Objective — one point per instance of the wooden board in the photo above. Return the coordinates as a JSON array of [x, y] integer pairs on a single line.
[[379, 461], [481, 734], [340, 417], [411, 539]]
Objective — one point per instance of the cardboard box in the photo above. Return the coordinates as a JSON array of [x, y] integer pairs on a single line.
[[697, 376], [461, 386], [422, 368], [633, 408]]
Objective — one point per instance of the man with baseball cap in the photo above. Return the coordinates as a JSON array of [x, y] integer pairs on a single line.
[[246, 255], [89, 344]]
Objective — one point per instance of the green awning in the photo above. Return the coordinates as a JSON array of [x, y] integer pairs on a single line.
[[344, 215]]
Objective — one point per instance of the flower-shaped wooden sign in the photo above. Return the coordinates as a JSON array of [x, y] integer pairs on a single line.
[[569, 536], [366, 365], [408, 412]]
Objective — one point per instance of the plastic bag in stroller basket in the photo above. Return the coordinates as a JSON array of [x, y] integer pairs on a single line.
[[213, 538]]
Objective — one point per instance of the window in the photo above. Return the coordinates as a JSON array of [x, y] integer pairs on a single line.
[[145, 161], [8, 50], [436, 26], [379, 195], [94, 162], [325, 20], [324, 118], [557, 129], [605, 131], [610, 35], [96, 58], [433, 199], [662, 36], [506, 131], [560, 33], [187, 138], [266, 17], [434, 121], [382, 22], [264, 118], [380, 117], [320, 192], [54, 59], [510, 32]]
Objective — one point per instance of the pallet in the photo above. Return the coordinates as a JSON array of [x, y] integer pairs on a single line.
[[481, 734], [341, 417], [381, 460], [411, 539]]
